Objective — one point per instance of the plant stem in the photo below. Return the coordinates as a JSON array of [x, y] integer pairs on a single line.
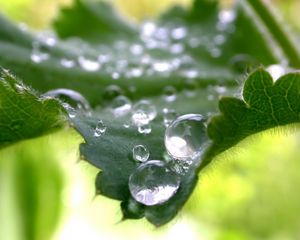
[[277, 30]]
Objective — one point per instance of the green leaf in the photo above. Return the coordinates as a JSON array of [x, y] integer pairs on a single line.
[[93, 21], [23, 114], [265, 105], [104, 33]]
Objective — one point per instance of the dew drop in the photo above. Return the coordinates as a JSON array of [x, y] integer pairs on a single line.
[[169, 116], [145, 129], [37, 56], [72, 101], [179, 33], [140, 153], [152, 183], [186, 137], [143, 112], [120, 106], [88, 64], [170, 94], [100, 129], [67, 63], [111, 92], [190, 87]]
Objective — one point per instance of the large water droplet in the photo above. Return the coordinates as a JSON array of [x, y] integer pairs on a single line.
[[152, 183], [143, 112], [140, 153], [186, 137], [72, 100], [100, 129]]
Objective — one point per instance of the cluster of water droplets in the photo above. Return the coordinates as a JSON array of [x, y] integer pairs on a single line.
[[154, 181]]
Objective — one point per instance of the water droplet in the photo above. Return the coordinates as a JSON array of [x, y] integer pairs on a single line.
[[100, 129], [148, 29], [143, 112], [152, 183], [169, 116], [120, 106], [186, 137], [176, 48], [145, 129], [215, 52], [136, 49], [134, 73], [72, 101], [180, 167], [276, 71], [67, 63], [219, 39], [37, 56], [88, 64], [140, 153], [190, 87], [226, 16], [179, 33], [49, 38], [161, 66], [111, 92], [170, 94], [115, 75]]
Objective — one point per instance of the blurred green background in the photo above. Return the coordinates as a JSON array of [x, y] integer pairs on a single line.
[[250, 192]]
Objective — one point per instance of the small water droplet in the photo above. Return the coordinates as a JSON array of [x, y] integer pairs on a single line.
[[186, 137], [37, 56], [136, 49], [176, 48], [152, 183], [120, 106], [140, 153], [67, 63], [88, 64], [115, 75], [170, 94], [100, 129], [111, 92], [179, 33], [143, 112], [162, 66], [190, 87], [169, 116], [145, 129]]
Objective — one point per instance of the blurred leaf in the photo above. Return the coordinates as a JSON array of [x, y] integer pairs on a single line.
[[23, 114], [30, 187]]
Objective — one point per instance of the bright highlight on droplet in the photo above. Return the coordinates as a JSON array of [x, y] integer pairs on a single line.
[[153, 183]]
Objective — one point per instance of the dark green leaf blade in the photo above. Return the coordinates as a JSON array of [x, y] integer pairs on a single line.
[[23, 114], [265, 105]]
